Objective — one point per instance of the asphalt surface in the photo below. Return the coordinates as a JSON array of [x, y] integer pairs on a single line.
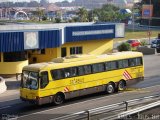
[[11, 106]]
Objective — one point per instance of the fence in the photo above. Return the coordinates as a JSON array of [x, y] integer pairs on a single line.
[[122, 106]]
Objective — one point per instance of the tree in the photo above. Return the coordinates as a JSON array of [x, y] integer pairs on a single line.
[[92, 16], [57, 20], [39, 13], [82, 14], [109, 13]]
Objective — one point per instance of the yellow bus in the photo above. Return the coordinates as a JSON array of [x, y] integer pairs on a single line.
[[69, 77]]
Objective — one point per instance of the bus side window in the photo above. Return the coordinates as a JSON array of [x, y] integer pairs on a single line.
[[57, 74], [132, 62], [81, 70], [113, 65], [87, 69], [108, 66], [98, 67], [139, 61], [125, 63], [73, 71], [120, 64], [67, 72], [44, 79], [70, 72]]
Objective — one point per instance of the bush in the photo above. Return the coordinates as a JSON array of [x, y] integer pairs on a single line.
[[44, 18], [124, 47], [57, 20], [143, 43]]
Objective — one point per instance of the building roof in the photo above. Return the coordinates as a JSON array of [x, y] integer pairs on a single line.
[[52, 7], [15, 38], [24, 27]]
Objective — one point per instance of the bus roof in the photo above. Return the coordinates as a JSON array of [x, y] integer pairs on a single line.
[[78, 60]]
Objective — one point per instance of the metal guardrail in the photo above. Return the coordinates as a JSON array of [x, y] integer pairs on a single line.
[[118, 106]]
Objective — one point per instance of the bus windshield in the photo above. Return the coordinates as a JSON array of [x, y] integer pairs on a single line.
[[30, 80]]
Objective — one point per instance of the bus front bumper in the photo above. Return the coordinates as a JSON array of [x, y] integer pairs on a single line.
[[32, 101], [39, 101]]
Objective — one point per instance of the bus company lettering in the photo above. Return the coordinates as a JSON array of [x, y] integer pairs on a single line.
[[77, 81]]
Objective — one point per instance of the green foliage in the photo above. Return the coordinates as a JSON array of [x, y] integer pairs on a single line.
[[124, 47], [110, 13], [83, 14], [57, 20], [143, 43], [92, 15], [44, 18], [74, 19]]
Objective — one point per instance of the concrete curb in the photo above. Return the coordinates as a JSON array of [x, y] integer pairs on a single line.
[[3, 86], [146, 50]]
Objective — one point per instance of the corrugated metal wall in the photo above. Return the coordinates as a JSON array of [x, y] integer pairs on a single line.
[[70, 38], [49, 39], [14, 41], [11, 41]]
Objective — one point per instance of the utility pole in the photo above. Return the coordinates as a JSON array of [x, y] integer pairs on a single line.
[[133, 17], [149, 22], [92, 12]]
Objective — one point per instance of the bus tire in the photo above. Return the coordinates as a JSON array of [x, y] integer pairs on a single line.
[[58, 99], [121, 85], [110, 88]]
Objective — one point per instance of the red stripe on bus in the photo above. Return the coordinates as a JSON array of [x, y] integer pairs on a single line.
[[129, 74]]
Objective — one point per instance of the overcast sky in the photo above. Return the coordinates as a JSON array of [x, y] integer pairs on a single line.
[[31, 0]]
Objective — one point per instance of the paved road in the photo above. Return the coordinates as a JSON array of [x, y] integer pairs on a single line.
[[152, 71], [152, 74]]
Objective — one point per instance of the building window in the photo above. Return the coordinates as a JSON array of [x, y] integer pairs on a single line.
[[75, 50], [63, 52], [41, 51], [34, 59], [15, 56]]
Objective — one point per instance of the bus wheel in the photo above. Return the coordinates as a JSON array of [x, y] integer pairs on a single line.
[[58, 99], [121, 85], [110, 88]]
